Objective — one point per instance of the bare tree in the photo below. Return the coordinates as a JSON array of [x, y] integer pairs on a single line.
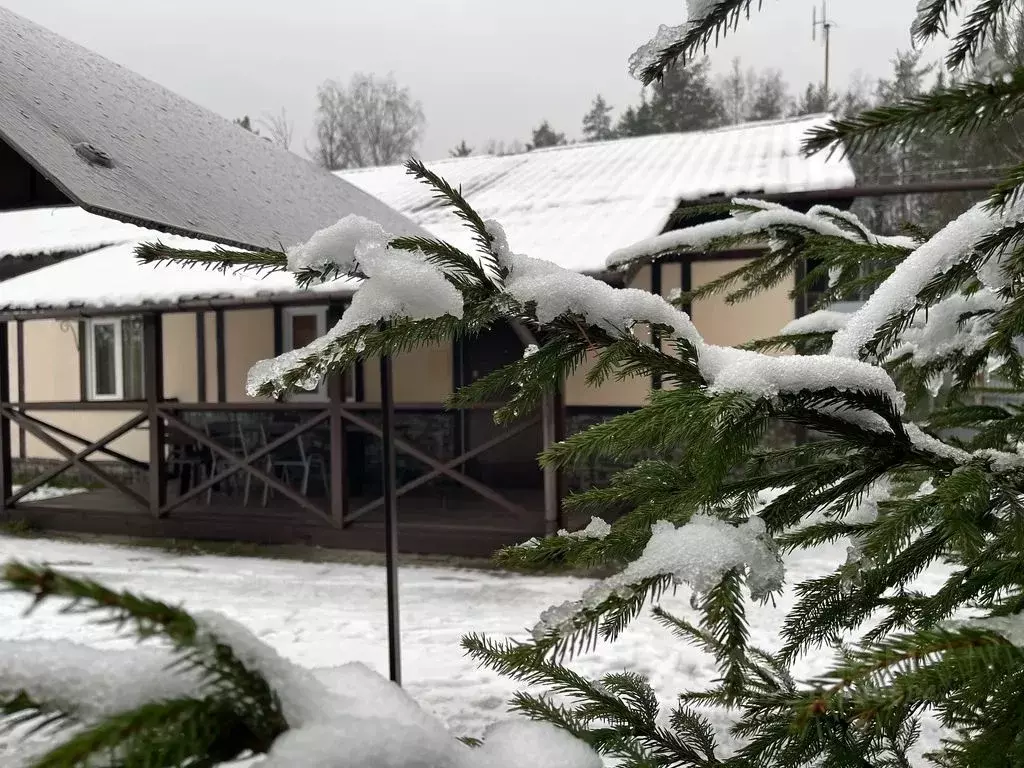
[[279, 128], [372, 121]]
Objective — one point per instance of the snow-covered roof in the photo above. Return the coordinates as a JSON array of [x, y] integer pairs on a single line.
[[119, 144], [62, 229], [112, 278], [573, 205]]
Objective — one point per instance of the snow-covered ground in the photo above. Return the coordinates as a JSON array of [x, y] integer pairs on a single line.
[[322, 615]]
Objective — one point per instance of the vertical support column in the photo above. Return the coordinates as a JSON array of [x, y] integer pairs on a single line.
[[390, 485], [20, 352], [655, 336], [200, 357], [338, 473], [6, 470], [153, 371], [553, 431], [222, 382], [458, 381]]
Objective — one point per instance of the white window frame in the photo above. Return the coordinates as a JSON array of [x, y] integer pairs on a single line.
[[288, 337], [288, 340], [90, 358]]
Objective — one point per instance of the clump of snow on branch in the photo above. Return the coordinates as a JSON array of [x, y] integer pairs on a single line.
[[821, 321], [753, 224], [899, 292], [341, 245], [950, 326], [88, 682], [698, 553], [398, 284], [595, 529]]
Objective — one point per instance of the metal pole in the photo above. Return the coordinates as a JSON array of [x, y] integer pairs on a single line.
[[390, 484]]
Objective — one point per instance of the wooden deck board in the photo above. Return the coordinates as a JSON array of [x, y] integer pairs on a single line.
[[452, 524]]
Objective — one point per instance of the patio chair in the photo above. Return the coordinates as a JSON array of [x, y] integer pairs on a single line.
[[294, 456]]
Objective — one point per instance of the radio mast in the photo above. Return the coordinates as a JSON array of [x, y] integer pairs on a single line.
[[826, 31]]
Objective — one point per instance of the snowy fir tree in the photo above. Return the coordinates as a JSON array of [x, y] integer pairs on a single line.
[[903, 461]]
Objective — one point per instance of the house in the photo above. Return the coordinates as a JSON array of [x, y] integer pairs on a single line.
[[89, 333]]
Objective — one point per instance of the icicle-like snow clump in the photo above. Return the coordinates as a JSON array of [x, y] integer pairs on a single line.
[[648, 53], [340, 245]]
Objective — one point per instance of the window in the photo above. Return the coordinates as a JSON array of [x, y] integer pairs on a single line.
[[302, 325], [113, 359]]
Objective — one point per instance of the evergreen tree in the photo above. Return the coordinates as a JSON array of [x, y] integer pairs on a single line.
[[545, 136], [637, 121], [246, 123], [686, 100], [705, 503], [597, 123], [770, 98], [813, 101], [461, 150]]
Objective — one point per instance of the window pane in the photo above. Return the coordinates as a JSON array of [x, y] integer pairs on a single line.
[[103, 359], [132, 346], [304, 330]]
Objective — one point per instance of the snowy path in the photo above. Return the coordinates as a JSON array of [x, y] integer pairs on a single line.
[[322, 615]]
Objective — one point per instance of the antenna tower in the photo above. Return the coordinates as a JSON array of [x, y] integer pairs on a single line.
[[826, 31]]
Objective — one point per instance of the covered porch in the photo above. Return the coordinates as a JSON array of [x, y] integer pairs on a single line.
[[190, 460]]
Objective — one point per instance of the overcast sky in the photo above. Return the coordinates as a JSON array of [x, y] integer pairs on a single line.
[[483, 69]]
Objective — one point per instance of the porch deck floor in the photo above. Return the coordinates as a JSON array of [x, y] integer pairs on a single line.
[[453, 523]]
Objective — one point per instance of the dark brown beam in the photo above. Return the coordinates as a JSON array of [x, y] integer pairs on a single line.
[[200, 356], [938, 187], [338, 472], [553, 430], [655, 336], [20, 355], [118, 456], [153, 374], [6, 471], [218, 350]]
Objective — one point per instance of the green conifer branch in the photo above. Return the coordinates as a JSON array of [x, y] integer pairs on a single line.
[[219, 258]]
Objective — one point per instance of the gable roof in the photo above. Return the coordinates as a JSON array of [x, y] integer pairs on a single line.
[[170, 164], [576, 204]]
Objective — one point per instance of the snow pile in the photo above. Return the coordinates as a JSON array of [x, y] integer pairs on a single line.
[[699, 553], [398, 284], [350, 717], [821, 321], [89, 682], [899, 292]]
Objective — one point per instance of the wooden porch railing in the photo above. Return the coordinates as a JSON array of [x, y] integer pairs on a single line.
[[171, 415]]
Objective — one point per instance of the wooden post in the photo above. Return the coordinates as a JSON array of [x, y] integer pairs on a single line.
[[390, 484], [6, 473], [655, 336], [153, 371], [222, 383], [459, 381], [553, 430], [20, 328], [201, 357]]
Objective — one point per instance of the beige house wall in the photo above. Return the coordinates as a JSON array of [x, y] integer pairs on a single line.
[[762, 315], [421, 376]]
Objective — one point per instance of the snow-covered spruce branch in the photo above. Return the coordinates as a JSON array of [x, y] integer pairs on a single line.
[[780, 240], [213, 693]]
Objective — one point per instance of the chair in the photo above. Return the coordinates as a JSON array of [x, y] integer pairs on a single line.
[[186, 460], [295, 455]]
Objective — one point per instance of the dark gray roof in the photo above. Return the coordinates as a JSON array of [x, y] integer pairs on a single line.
[[122, 146]]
